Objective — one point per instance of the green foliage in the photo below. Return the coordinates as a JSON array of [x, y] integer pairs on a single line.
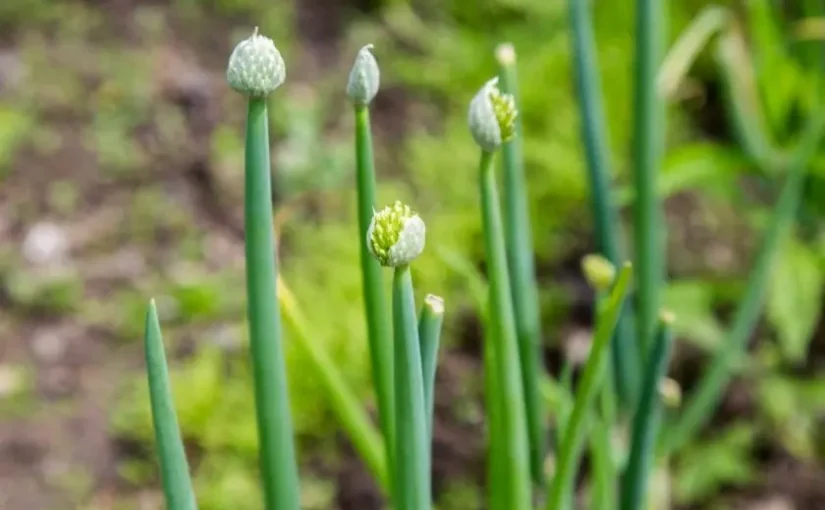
[[692, 303], [55, 290], [306, 161], [707, 466], [15, 126], [460, 495], [795, 300]]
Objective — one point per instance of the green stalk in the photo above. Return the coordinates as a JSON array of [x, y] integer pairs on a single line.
[[429, 332], [279, 469], [563, 486], [702, 401], [648, 140], [625, 350], [563, 411], [496, 473], [522, 271], [604, 471], [412, 447], [360, 430], [174, 469], [379, 332], [516, 461], [647, 420]]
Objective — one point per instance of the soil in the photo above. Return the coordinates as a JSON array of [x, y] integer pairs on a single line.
[[73, 363]]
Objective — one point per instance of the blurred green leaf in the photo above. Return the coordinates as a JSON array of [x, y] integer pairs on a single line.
[[795, 300], [792, 407], [723, 461], [702, 164], [777, 76], [692, 303], [15, 125]]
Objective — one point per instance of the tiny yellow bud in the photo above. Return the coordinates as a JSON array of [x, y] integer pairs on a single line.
[[598, 271]]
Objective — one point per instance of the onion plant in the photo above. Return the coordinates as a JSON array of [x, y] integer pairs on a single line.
[[256, 69], [628, 357], [404, 347], [364, 80], [395, 238], [492, 121]]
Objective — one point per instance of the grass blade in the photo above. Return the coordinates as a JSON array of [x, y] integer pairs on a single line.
[[360, 430], [429, 332], [647, 420], [174, 469], [412, 451], [648, 144], [699, 407], [625, 351], [503, 334], [604, 470], [279, 469], [522, 271], [743, 102], [379, 332], [688, 46], [562, 487]]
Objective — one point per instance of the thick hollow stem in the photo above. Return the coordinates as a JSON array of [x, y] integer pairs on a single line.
[[379, 333], [412, 450], [279, 469], [646, 422], [648, 141], [174, 469], [496, 474], [503, 333], [625, 350], [523, 274]]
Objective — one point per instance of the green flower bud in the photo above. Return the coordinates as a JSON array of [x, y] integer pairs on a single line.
[[492, 116], [364, 77], [670, 392], [256, 67], [396, 235], [598, 271]]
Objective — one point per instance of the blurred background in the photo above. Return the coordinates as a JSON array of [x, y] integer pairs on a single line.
[[121, 162]]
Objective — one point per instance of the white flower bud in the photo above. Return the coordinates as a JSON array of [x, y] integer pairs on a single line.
[[492, 116], [256, 67], [364, 78], [396, 235]]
